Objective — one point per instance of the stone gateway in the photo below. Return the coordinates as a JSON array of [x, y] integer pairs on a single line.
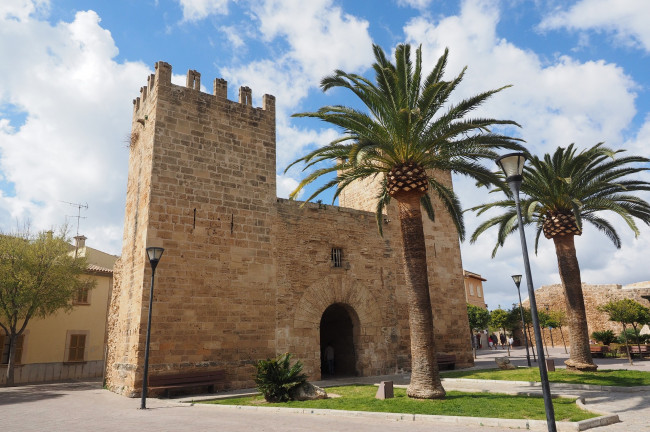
[[246, 275]]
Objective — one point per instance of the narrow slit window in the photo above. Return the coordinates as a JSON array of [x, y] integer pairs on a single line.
[[337, 257]]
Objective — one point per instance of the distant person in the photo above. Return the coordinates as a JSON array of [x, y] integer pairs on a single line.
[[503, 340], [490, 341], [329, 356], [478, 340]]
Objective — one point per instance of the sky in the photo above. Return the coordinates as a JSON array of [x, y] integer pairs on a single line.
[[579, 72]]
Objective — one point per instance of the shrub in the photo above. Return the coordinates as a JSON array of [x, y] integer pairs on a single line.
[[276, 378], [605, 337], [633, 337]]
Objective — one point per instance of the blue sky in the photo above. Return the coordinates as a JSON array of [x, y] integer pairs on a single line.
[[70, 70]]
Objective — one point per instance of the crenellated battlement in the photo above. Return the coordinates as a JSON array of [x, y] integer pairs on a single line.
[[163, 77]]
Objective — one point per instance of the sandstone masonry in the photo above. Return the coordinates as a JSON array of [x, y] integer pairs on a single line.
[[246, 275]]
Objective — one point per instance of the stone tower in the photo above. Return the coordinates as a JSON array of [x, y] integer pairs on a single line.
[[246, 275]]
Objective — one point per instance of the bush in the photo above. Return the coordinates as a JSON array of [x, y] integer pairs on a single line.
[[276, 378], [605, 337], [633, 337]]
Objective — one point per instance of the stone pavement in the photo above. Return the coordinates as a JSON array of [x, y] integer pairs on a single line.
[[86, 406]]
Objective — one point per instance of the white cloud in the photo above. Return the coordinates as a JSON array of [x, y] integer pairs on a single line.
[[416, 4], [285, 185], [194, 10], [626, 20], [21, 10], [320, 35], [320, 39], [71, 147]]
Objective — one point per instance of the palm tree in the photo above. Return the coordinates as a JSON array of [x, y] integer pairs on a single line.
[[562, 191], [401, 141]]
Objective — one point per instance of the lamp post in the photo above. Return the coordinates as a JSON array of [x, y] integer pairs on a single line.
[[512, 165], [517, 279], [154, 254]]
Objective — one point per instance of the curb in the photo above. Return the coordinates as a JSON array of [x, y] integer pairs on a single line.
[[536, 385], [536, 425]]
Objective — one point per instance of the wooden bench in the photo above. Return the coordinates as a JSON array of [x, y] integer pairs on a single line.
[[196, 378], [599, 350], [645, 349], [446, 361]]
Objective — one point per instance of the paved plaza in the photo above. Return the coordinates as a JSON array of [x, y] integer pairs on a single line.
[[86, 406]]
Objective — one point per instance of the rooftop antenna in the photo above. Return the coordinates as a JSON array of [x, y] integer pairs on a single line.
[[78, 216]]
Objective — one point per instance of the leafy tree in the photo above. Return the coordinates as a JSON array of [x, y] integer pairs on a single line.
[[276, 378], [410, 133], [37, 278], [501, 319], [479, 318], [605, 337], [558, 320], [561, 191], [627, 311]]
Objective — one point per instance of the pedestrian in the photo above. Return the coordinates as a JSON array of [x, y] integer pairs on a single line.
[[503, 340], [478, 340], [490, 341]]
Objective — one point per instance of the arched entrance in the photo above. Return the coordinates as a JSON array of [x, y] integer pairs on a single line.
[[339, 329]]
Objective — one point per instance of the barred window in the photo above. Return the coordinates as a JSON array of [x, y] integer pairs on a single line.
[[337, 257]]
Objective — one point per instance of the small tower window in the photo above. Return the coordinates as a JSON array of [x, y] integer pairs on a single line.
[[337, 257]]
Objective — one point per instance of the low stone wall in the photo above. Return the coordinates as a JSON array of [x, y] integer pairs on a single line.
[[594, 295], [49, 372]]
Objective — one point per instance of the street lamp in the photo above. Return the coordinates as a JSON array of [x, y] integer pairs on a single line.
[[154, 254], [512, 165], [517, 279]]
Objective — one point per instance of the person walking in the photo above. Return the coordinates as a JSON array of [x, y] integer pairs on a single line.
[[503, 339]]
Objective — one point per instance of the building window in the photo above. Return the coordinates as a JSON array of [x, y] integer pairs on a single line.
[[337, 257], [4, 343], [82, 296], [76, 347], [471, 288], [478, 290]]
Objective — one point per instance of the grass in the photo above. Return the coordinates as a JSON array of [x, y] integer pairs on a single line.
[[362, 398], [623, 378]]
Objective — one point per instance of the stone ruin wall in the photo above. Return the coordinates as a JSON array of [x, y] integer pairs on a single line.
[[594, 296], [245, 275]]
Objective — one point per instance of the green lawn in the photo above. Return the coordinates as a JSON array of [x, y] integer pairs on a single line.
[[362, 398], [603, 377]]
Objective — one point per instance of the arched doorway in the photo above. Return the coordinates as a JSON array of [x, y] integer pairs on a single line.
[[339, 329]]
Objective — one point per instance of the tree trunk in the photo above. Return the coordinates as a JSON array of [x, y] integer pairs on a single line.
[[567, 262], [12, 356], [425, 378]]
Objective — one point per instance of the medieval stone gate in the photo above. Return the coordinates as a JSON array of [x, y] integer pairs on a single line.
[[246, 275]]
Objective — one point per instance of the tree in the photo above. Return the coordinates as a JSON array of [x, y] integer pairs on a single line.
[[479, 318], [627, 311], [501, 319], [558, 320], [37, 278], [561, 191], [403, 139]]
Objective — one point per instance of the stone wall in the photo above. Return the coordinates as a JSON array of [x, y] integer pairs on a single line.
[[594, 296], [245, 275]]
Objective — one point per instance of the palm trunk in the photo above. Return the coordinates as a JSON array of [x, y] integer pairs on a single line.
[[567, 262], [425, 378]]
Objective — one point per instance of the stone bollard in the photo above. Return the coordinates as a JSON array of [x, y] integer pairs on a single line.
[[385, 390]]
